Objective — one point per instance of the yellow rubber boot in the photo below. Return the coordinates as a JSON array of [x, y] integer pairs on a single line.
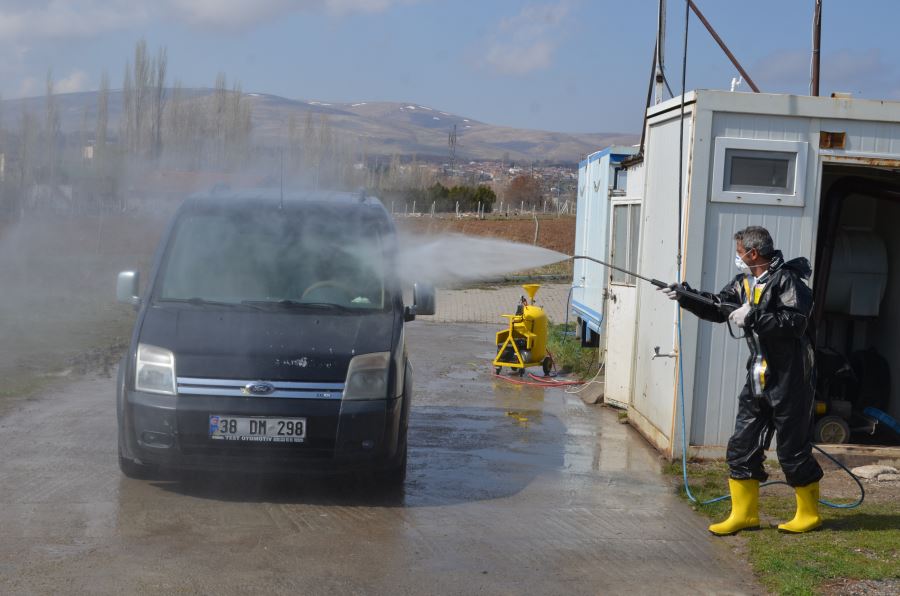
[[744, 508], [807, 516]]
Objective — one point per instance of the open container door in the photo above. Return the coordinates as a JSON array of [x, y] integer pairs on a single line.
[[857, 312]]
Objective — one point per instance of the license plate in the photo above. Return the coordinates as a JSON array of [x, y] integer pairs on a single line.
[[257, 429]]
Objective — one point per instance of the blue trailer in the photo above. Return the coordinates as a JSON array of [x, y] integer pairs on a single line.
[[600, 179]]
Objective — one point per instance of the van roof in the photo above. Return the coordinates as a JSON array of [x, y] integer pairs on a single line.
[[272, 198]]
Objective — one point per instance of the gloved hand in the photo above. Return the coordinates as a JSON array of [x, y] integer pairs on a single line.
[[670, 292], [739, 315]]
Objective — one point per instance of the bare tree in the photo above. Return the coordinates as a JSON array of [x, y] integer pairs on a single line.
[[126, 123], [143, 71], [159, 85], [102, 117], [524, 189], [83, 132], [27, 140], [310, 144], [293, 128], [173, 121], [219, 106], [51, 129]]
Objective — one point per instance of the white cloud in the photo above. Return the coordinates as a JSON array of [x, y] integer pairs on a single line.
[[75, 82], [51, 24], [342, 7], [62, 19], [526, 42], [233, 14], [29, 87], [34, 20], [862, 72], [242, 14]]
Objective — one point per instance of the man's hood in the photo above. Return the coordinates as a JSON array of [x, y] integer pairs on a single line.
[[800, 265]]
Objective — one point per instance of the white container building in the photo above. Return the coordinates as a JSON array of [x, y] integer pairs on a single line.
[[822, 174], [601, 189]]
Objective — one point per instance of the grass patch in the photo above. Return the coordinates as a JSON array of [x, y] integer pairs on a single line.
[[561, 269], [568, 354], [859, 544]]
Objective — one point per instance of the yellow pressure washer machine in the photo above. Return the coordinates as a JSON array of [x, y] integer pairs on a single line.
[[524, 344]]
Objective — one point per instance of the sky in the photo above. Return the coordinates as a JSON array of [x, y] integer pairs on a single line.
[[560, 65]]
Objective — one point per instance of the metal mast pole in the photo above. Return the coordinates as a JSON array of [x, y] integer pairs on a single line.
[[817, 42], [660, 51]]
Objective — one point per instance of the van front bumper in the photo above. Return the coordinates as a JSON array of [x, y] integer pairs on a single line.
[[341, 436]]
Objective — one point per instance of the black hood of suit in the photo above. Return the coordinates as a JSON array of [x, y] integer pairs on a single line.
[[800, 265]]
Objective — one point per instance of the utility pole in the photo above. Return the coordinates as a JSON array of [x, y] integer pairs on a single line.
[[817, 43], [660, 50]]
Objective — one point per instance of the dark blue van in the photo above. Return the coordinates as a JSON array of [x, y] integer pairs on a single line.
[[270, 337]]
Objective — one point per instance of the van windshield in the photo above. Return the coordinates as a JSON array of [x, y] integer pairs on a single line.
[[280, 259]]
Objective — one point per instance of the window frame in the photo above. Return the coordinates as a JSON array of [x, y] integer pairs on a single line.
[[726, 148], [632, 242]]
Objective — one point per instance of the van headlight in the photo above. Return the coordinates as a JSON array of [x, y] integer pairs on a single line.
[[155, 371], [367, 376]]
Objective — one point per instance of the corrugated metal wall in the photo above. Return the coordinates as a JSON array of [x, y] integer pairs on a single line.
[[721, 360], [720, 366]]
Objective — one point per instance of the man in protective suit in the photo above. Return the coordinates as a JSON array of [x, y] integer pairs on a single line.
[[776, 305]]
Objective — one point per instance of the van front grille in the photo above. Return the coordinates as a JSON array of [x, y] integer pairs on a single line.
[[244, 388]]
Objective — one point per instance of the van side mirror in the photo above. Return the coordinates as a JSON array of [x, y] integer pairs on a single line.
[[127, 286], [409, 314], [423, 298]]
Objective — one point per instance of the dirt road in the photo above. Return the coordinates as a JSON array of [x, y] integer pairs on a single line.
[[511, 490]]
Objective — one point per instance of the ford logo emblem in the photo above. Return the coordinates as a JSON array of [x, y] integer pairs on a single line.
[[260, 388]]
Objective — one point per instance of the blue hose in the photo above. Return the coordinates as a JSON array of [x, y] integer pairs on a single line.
[[687, 488]]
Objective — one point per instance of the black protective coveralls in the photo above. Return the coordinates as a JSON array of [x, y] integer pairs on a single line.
[[779, 392]]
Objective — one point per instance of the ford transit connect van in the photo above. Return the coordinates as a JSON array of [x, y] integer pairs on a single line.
[[270, 337]]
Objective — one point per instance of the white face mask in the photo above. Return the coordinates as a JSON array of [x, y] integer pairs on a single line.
[[740, 264]]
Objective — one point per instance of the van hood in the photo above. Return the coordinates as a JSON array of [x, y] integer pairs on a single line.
[[261, 345]]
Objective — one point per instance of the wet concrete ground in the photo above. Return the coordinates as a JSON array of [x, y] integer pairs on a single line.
[[511, 490]]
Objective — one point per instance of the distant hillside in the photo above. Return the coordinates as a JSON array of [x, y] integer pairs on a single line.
[[380, 127]]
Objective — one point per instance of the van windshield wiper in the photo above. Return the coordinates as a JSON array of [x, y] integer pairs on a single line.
[[196, 301], [296, 304]]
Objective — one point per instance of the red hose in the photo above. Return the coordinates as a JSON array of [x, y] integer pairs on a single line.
[[550, 381], [540, 382]]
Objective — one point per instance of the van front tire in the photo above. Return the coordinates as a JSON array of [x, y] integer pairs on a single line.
[[395, 477]]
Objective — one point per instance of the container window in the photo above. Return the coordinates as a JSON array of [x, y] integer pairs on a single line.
[[626, 230], [634, 234], [759, 171], [620, 179]]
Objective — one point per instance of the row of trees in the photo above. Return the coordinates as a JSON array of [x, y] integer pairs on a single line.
[[445, 199]]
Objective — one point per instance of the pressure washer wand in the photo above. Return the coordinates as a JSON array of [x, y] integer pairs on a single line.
[[725, 307]]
